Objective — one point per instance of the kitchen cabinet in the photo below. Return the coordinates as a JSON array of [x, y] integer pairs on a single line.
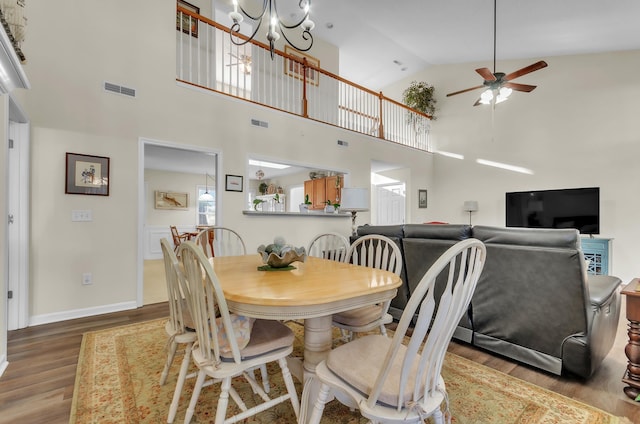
[[322, 189]]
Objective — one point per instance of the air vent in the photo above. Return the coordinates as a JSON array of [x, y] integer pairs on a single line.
[[343, 143], [258, 123], [118, 89]]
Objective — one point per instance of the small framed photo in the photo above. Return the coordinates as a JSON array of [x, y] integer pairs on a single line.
[[171, 200], [233, 182], [86, 174], [422, 198], [187, 23]]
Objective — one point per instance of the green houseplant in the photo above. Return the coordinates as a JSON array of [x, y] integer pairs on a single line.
[[420, 96]]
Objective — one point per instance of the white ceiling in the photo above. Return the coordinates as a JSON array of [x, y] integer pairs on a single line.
[[371, 34]]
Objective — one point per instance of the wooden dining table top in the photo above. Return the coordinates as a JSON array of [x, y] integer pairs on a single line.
[[313, 282]]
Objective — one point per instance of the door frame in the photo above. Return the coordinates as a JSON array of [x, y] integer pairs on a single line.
[[142, 142]]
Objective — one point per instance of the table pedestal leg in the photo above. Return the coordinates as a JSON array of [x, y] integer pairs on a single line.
[[317, 345]]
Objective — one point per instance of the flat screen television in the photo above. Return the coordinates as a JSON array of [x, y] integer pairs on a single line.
[[568, 208]]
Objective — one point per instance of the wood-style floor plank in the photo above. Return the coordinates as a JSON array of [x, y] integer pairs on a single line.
[[37, 387]]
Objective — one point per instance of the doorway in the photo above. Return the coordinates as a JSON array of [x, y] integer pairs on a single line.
[[18, 219], [177, 167]]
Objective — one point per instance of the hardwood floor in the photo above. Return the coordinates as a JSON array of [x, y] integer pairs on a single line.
[[37, 387]]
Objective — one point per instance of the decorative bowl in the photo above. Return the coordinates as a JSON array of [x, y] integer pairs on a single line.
[[281, 256]]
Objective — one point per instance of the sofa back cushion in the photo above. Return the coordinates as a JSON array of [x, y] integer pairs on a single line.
[[532, 291], [423, 244]]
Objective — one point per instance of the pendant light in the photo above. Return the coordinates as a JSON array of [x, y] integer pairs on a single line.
[[206, 196]]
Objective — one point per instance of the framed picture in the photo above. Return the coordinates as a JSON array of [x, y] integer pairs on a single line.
[[422, 198], [86, 174], [294, 68], [171, 200], [188, 24], [233, 182]]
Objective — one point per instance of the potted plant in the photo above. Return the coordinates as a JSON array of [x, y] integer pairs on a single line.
[[420, 96], [257, 202], [331, 207], [304, 207], [262, 188]]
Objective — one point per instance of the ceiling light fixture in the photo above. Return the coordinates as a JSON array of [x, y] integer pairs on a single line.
[[270, 9], [266, 164], [206, 196]]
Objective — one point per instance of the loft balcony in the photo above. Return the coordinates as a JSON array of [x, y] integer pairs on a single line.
[[290, 82]]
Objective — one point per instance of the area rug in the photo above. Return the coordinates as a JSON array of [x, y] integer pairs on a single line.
[[119, 369]]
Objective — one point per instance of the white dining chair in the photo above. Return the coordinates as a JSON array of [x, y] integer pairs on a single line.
[[220, 241], [179, 326], [374, 251], [223, 350], [330, 245], [223, 241], [392, 382]]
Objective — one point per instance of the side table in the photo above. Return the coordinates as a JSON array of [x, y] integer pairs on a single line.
[[632, 350]]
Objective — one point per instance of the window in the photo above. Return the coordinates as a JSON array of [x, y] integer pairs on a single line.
[[206, 210]]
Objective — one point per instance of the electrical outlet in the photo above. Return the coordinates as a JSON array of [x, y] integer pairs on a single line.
[[87, 278]]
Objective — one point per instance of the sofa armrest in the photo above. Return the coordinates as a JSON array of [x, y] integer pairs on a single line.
[[601, 288]]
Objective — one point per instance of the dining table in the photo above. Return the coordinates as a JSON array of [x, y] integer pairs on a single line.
[[312, 290]]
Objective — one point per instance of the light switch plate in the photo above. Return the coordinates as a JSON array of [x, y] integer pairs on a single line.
[[81, 215]]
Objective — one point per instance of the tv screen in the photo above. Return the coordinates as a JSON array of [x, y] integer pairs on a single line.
[[577, 208]]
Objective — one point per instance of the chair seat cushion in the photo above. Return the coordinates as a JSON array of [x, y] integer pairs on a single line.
[[266, 336], [358, 363], [359, 316]]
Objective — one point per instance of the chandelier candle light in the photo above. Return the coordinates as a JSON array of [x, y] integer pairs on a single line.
[[270, 12]]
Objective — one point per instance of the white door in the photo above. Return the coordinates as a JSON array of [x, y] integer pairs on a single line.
[[18, 226], [391, 204]]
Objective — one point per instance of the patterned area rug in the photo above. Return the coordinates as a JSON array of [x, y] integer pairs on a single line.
[[119, 369]]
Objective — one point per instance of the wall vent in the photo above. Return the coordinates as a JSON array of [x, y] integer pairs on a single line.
[[258, 123], [343, 143], [118, 89]]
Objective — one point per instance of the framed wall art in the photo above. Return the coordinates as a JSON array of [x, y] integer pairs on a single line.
[[171, 200], [422, 198], [233, 182], [188, 24], [294, 68], [87, 174]]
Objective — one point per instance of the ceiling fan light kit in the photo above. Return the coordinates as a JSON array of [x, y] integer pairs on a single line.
[[498, 85]]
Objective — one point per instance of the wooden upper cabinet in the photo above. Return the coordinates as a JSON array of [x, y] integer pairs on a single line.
[[322, 189]]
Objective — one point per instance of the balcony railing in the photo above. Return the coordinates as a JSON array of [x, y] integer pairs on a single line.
[[206, 58]]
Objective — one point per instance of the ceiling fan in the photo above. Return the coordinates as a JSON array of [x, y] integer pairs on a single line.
[[243, 60], [498, 84]]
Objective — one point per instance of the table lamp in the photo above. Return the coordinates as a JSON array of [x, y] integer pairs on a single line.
[[470, 206], [354, 200]]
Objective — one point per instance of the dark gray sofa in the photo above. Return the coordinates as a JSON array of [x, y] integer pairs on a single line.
[[534, 301]]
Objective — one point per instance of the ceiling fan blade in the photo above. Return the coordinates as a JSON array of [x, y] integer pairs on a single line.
[[526, 70], [465, 90], [477, 102], [486, 74], [520, 87]]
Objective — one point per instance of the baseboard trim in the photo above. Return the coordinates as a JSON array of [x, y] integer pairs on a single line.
[[81, 313], [3, 364]]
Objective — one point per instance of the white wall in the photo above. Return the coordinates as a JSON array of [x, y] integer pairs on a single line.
[[577, 129], [133, 44]]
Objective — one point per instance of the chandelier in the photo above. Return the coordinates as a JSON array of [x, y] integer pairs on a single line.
[[276, 25]]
